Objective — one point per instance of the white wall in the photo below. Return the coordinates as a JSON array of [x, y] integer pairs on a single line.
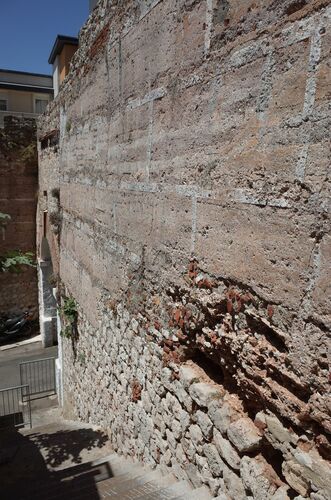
[[56, 76]]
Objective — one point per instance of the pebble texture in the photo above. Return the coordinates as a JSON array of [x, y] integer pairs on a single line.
[[190, 147]]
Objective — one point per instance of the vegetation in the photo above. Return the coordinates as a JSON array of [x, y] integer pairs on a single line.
[[68, 126], [29, 153], [4, 219], [52, 280], [19, 141], [55, 192], [13, 260], [69, 314], [81, 358], [55, 220]]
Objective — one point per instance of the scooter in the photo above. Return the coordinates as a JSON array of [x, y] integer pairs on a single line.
[[18, 326]]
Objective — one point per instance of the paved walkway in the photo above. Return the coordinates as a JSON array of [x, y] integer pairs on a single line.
[[36, 464], [13, 345], [62, 460], [71, 461]]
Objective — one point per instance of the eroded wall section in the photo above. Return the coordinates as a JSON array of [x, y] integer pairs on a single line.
[[191, 167]]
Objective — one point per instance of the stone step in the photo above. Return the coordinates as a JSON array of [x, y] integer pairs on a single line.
[[142, 491], [129, 481], [100, 473], [198, 494], [80, 444], [104, 472], [117, 487], [83, 475], [125, 475], [119, 466], [89, 481]]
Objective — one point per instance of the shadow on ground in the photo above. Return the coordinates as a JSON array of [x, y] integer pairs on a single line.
[[62, 446], [27, 465]]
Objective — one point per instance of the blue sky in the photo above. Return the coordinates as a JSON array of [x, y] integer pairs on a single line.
[[29, 28]]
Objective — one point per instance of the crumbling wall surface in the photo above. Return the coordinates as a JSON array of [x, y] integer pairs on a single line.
[[18, 198], [191, 163]]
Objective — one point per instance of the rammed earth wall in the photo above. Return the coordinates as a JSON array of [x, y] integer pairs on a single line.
[[190, 148]]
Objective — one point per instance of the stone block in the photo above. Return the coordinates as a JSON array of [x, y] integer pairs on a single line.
[[166, 378], [294, 475], [184, 419], [205, 424], [189, 447], [281, 494], [166, 457], [173, 404], [176, 428], [181, 394], [216, 464], [277, 432], [244, 435], [203, 393], [257, 478], [313, 468], [193, 475], [171, 440], [222, 414], [234, 484], [180, 455], [226, 450], [188, 375], [195, 434]]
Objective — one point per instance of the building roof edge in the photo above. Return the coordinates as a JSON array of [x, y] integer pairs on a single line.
[[17, 72], [60, 41]]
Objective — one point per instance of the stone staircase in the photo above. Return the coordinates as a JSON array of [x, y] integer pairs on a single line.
[[70, 460]]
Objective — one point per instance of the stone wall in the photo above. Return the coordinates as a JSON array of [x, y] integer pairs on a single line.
[[189, 147], [18, 198]]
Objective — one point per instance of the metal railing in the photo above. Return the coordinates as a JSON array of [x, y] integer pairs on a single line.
[[39, 375], [15, 407]]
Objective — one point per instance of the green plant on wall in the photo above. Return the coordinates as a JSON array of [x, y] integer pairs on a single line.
[[68, 126], [55, 192], [69, 314], [13, 260], [56, 220], [53, 280], [4, 219], [19, 142], [29, 153], [81, 358]]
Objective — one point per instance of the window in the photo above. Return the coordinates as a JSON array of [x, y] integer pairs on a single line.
[[40, 105], [3, 105]]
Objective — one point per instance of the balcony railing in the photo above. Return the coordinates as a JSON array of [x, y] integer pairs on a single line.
[[15, 406]]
